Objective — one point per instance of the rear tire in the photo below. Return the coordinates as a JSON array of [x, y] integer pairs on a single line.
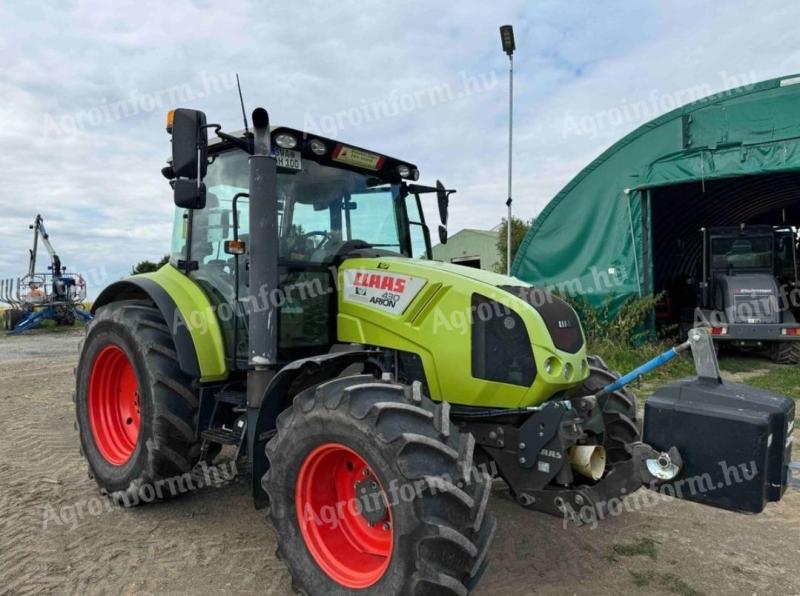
[[619, 411], [435, 500], [136, 409], [785, 352]]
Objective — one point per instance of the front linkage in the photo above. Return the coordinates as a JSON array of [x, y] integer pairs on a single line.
[[583, 450]]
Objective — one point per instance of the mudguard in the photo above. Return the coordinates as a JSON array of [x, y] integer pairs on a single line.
[[290, 380], [188, 313]]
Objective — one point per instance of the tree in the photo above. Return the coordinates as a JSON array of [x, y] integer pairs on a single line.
[[519, 228], [149, 266]]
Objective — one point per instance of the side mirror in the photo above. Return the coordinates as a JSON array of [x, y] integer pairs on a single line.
[[189, 156], [189, 195], [443, 200]]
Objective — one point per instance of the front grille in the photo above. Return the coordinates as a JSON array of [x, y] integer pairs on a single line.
[[501, 348], [754, 308], [560, 319]]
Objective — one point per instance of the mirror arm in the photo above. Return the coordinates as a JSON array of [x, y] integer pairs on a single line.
[[245, 144], [420, 189]]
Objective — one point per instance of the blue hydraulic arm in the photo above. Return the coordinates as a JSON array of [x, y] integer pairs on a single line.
[[705, 361]]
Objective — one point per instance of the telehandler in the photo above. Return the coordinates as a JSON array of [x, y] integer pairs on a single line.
[[377, 394]]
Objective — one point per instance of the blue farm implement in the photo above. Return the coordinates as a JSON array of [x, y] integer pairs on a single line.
[[56, 295]]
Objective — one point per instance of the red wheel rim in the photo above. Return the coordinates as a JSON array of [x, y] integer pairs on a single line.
[[352, 552], [114, 405]]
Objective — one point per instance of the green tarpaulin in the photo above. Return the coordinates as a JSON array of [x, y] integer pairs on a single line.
[[595, 238]]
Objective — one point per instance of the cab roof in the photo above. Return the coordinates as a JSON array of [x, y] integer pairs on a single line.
[[337, 153]]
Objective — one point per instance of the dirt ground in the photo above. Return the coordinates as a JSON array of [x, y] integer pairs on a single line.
[[58, 536]]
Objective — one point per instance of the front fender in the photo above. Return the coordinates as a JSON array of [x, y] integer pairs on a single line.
[[188, 313], [289, 381]]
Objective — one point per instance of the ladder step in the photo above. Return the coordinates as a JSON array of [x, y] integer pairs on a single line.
[[237, 398], [222, 436]]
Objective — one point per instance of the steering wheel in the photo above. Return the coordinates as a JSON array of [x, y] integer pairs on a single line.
[[326, 237]]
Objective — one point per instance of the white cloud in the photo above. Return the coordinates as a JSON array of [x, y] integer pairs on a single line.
[[101, 190]]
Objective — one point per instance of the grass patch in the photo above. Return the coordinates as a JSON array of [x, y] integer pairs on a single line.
[[640, 580], [742, 364], [784, 380], [668, 581], [676, 585], [645, 547]]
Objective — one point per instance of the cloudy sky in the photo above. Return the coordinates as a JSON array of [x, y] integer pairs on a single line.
[[84, 87]]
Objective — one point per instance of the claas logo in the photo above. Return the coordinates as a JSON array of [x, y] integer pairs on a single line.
[[380, 282]]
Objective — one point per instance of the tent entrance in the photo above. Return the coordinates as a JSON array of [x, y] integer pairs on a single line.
[[677, 213]]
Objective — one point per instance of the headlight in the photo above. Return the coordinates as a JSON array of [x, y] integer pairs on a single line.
[[317, 147], [404, 171], [550, 365], [285, 141], [567, 370]]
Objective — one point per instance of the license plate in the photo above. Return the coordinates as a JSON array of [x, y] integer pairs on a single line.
[[288, 159]]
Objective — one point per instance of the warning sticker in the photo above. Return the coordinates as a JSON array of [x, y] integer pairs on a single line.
[[357, 157], [384, 291]]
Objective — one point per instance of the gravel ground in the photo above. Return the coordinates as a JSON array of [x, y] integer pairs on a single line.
[[58, 536]]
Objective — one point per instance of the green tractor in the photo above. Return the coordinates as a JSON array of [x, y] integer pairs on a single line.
[[377, 395]]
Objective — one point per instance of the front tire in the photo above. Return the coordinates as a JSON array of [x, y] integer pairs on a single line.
[[136, 409], [423, 527], [618, 408]]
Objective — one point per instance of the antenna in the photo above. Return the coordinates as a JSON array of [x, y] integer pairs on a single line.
[[241, 101]]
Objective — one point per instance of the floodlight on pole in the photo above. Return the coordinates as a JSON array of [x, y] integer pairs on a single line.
[[507, 39]]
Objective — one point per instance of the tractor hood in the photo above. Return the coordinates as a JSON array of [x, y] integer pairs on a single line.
[[478, 275], [508, 343]]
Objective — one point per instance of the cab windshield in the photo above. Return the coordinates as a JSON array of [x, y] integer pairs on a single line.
[[754, 252], [322, 212]]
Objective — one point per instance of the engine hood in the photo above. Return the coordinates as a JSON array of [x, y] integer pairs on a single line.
[[495, 339], [478, 275]]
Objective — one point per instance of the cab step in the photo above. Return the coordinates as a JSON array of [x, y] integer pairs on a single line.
[[223, 436], [229, 396]]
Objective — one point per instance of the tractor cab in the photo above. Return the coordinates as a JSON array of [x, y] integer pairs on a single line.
[[334, 201]]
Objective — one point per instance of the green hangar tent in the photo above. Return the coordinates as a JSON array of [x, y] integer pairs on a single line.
[[628, 224]]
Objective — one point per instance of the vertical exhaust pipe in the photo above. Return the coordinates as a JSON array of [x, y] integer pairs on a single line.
[[263, 275], [263, 254]]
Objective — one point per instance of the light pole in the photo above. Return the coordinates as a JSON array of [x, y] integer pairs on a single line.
[[507, 37]]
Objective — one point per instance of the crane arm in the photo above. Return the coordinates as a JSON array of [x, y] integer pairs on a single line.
[[40, 231]]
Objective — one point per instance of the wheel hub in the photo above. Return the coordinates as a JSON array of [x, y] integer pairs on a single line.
[[373, 504]]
